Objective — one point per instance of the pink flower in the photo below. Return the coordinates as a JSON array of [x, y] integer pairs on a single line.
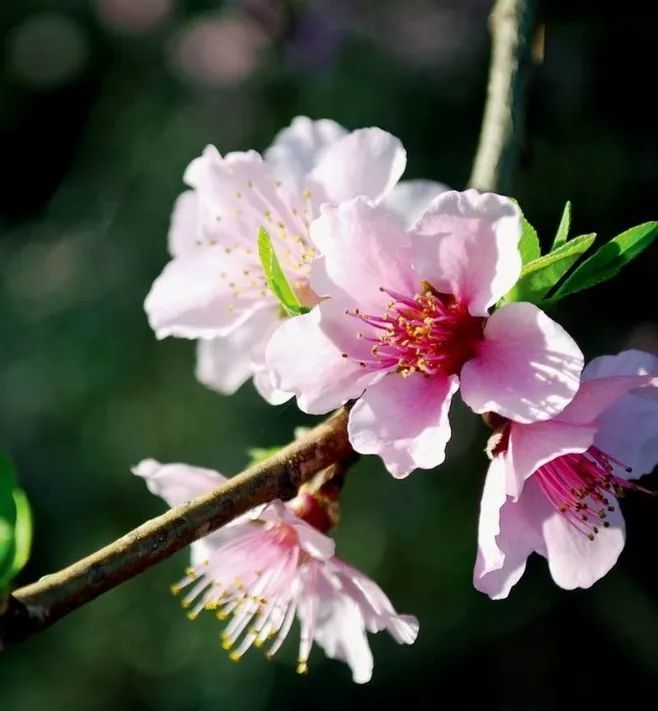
[[267, 567], [213, 289], [552, 487], [407, 322]]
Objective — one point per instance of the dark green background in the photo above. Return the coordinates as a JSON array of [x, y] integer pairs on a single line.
[[90, 168]]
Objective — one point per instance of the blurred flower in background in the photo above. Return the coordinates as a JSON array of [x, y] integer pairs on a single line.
[[218, 51], [134, 17], [47, 50]]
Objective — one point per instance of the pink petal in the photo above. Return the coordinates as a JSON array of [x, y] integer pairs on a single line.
[[596, 396], [303, 359], [184, 229], [266, 389], [404, 421], [335, 623], [226, 363], [508, 532], [202, 295], [467, 244], [364, 248], [366, 162], [238, 194], [631, 362], [376, 609], [574, 560], [628, 431], [297, 148], [527, 368], [628, 428], [537, 443], [490, 557], [177, 483], [410, 198]]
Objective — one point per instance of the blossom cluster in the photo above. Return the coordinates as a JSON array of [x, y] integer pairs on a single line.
[[403, 289]]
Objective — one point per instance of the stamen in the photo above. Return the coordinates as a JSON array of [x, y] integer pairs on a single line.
[[580, 487], [428, 333]]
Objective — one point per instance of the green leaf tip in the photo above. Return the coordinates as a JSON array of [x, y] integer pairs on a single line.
[[608, 260], [562, 234]]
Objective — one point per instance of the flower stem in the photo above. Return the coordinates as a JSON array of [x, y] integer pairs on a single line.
[[512, 23]]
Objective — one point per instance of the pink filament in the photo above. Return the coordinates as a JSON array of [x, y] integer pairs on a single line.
[[583, 487], [430, 333]]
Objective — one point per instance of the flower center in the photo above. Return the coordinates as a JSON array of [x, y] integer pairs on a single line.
[[583, 487], [429, 333]]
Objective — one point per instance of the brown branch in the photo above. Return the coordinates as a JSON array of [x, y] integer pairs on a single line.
[[37, 606], [40, 604], [512, 22]]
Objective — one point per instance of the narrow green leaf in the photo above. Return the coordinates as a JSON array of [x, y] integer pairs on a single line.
[[529, 243], [15, 524], [609, 259], [22, 532], [562, 234], [275, 277], [541, 275], [7, 514]]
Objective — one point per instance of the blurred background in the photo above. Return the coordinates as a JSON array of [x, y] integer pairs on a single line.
[[102, 105]]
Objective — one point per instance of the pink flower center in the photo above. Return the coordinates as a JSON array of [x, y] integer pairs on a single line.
[[583, 487], [429, 333]]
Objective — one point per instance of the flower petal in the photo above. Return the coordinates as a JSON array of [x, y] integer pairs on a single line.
[[376, 609], [184, 230], [297, 148], [224, 364], [177, 483], [527, 368], [364, 248], [628, 428], [628, 431], [239, 194], [338, 626], [410, 198], [467, 244], [366, 162], [508, 532], [404, 421], [303, 359], [530, 446], [631, 362], [596, 396], [202, 295], [574, 560]]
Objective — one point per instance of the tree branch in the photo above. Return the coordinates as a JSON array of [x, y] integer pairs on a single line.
[[37, 606], [512, 22], [40, 604]]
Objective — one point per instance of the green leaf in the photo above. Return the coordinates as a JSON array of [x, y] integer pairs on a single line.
[[541, 275], [276, 279], [609, 259], [562, 234], [15, 524], [529, 243]]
